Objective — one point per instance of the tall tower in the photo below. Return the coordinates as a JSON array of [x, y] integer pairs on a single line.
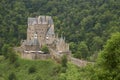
[[44, 28]]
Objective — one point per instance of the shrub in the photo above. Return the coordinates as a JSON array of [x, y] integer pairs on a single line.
[[9, 53], [45, 49], [64, 61], [38, 78], [32, 69], [16, 64], [12, 76], [56, 70], [5, 50], [63, 69], [12, 57]]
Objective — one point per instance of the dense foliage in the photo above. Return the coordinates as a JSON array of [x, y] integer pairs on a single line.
[[85, 23], [107, 66], [28, 70], [45, 49], [109, 59], [9, 53]]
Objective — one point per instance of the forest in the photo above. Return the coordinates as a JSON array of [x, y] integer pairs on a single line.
[[88, 26]]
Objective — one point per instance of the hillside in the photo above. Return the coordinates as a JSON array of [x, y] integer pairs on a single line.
[[28, 70], [86, 24], [24, 69], [107, 66]]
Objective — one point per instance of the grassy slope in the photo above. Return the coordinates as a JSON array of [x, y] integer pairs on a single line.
[[44, 69]]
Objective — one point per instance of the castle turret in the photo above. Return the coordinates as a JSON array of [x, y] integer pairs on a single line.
[[61, 45], [43, 26]]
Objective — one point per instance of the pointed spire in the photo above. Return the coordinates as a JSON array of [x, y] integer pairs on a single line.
[[61, 37], [56, 36], [64, 38]]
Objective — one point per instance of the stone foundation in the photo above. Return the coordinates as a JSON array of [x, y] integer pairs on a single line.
[[35, 56]]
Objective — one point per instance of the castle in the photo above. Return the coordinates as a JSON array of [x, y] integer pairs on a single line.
[[40, 32]]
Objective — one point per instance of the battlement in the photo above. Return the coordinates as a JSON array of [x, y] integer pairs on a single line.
[[40, 20]]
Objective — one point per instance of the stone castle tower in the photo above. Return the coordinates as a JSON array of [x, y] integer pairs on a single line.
[[44, 28], [40, 32], [61, 45]]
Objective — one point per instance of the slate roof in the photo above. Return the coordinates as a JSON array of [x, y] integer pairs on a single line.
[[50, 31], [40, 20], [32, 21]]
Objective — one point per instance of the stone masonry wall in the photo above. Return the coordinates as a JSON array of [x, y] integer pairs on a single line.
[[35, 56]]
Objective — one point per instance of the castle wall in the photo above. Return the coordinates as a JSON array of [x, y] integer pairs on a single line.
[[30, 32], [50, 36], [35, 56], [32, 48], [62, 45], [50, 40], [41, 30]]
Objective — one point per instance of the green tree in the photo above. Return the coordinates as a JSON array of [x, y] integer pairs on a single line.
[[5, 50], [45, 49], [12, 56], [9, 53], [109, 59], [32, 69], [82, 50], [64, 61], [73, 47], [71, 73]]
